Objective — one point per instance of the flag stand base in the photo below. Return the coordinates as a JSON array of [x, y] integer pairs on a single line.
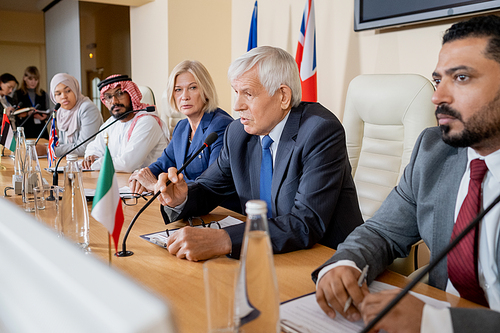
[[124, 253]]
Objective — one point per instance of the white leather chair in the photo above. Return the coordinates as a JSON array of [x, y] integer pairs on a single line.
[[384, 114], [148, 96], [169, 116]]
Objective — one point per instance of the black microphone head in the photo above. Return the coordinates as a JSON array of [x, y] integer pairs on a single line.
[[58, 105], [150, 109], [36, 107], [211, 138], [19, 105]]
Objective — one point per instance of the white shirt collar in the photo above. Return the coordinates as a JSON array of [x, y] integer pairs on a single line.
[[492, 161]]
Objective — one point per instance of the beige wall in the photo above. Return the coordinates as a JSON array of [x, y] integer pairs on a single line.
[[149, 46], [165, 32], [22, 47], [342, 53], [201, 30]]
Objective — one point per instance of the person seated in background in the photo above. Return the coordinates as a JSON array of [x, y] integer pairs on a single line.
[[7, 85], [30, 95], [305, 178], [437, 197], [136, 140], [191, 91], [77, 119]]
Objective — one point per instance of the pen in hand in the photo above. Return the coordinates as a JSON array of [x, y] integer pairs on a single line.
[[361, 280]]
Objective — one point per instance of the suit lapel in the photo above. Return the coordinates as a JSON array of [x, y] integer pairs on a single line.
[[444, 207], [284, 153], [200, 131]]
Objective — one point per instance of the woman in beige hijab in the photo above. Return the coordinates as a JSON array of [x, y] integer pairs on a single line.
[[77, 119]]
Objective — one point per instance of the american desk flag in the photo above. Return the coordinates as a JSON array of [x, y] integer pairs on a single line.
[[107, 206], [53, 142], [306, 54], [7, 140]]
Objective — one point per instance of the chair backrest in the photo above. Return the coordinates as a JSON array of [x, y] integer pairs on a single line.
[[169, 116], [148, 96], [384, 115]]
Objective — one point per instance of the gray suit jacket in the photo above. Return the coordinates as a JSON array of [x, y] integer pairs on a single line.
[[421, 206], [313, 194]]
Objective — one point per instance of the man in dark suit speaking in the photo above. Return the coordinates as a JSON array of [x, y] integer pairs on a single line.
[[310, 191], [454, 172]]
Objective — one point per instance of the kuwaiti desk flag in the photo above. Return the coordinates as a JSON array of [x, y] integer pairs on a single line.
[[7, 140], [306, 54], [107, 207], [252, 36], [53, 142]]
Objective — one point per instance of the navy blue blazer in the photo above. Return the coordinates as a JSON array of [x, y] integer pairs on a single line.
[[313, 194], [177, 151]]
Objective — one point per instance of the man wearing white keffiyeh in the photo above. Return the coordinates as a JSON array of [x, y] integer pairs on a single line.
[[135, 141]]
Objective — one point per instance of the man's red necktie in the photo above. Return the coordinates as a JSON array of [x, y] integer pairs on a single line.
[[462, 260]]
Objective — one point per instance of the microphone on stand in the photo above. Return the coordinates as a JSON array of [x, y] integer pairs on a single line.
[[56, 107], [29, 115], [208, 141], [431, 265], [55, 176]]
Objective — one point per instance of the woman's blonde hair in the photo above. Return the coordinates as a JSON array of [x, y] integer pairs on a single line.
[[31, 71], [203, 80]]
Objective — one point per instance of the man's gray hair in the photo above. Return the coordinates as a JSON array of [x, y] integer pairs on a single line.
[[275, 67]]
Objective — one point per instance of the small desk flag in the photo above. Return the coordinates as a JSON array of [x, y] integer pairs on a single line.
[[7, 140], [107, 207]]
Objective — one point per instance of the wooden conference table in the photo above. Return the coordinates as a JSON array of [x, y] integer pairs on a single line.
[[180, 282]]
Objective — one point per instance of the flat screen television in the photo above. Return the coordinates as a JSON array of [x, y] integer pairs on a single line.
[[376, 14]]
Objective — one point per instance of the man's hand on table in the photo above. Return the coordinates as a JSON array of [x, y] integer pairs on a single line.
[[335, 287], [196, 244]]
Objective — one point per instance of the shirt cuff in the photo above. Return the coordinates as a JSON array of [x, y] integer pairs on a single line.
[[174, 212], [326, 269], [436, 320]]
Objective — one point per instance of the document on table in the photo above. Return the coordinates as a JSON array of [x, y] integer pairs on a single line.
[[303, 314], [160, 238]]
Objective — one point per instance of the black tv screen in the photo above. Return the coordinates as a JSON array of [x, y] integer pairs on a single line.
[[375, 14]]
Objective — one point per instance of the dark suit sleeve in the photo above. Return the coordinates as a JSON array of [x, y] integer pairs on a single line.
[[475, 320], [390, 233]]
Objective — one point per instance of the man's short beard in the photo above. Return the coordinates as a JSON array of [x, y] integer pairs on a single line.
[[482, 126], [127, 108]]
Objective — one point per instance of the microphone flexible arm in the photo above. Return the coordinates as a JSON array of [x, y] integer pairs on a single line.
[[124, 253], [58, 105], [55, 176], [431, 265]]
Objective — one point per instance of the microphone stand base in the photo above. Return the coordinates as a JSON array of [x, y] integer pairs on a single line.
[[124, 253]]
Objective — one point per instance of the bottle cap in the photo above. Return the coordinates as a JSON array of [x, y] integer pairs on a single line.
[[20, 129], [72, 157], [30, 142], [256, 207]]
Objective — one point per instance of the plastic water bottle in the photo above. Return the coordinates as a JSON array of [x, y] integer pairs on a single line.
[[257, 298], [74, 211], [20, 152], [32, 176]]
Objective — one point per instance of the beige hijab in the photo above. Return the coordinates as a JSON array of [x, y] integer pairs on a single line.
[[67, 120]]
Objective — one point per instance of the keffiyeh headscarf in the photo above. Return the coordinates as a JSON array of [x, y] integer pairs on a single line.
[[67, 119], [126, 85]]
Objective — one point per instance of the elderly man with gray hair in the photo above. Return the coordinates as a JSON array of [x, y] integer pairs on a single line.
[[289, 153]]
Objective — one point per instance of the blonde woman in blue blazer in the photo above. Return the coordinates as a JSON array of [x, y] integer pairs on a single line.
[[192, 92]]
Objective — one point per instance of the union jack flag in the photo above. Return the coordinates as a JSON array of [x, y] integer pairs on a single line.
[[306, 54], [53, 142]]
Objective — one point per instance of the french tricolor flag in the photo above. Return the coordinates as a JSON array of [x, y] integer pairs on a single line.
[[306, 54]]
